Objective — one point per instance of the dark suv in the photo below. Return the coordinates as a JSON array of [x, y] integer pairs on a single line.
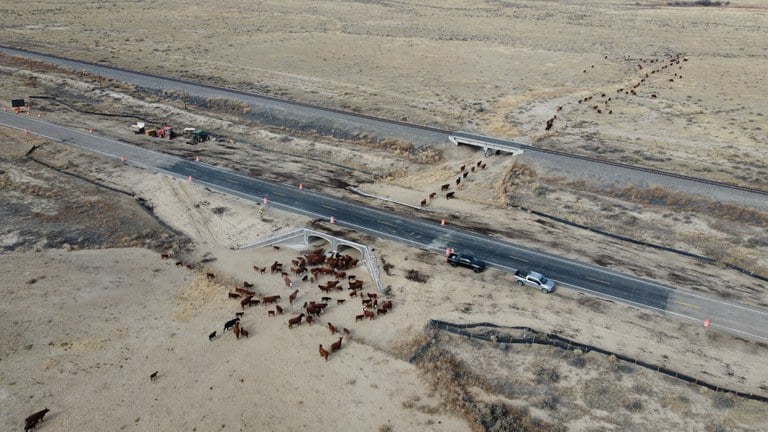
[[465, 260]]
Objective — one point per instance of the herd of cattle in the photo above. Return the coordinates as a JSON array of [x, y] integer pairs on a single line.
[[313, 267], [463, 172], [310, 268], [646, 69]]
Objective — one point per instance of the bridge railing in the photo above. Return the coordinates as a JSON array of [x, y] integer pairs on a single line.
[[303, 233], [275, 238]]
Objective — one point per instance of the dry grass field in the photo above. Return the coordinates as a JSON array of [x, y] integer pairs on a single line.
[[74, 234]]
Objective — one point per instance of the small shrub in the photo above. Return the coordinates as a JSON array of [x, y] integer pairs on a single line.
[[722, 401], [578, 361], [634, 406], [550, 401], [547, 376]]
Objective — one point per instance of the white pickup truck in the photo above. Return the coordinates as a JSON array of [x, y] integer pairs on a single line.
[[536, 280]]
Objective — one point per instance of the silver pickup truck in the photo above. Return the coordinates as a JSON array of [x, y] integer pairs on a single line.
[[536, 280]]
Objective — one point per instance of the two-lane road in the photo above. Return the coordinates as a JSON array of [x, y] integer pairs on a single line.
[[427, 234]]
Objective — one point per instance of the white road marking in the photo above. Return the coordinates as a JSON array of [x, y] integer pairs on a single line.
[[597, 280]]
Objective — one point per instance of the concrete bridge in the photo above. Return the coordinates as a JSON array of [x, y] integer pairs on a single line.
[[487, 145], [305, 236]]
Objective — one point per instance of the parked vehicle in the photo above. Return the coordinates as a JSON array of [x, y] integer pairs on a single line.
[[536, 280], [465, 260]]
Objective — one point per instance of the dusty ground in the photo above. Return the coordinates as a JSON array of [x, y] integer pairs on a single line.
[[497, 67], [121, 314], [512, 70]]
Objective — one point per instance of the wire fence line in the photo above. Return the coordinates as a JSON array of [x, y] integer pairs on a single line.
[[531, 336], [643, 243]]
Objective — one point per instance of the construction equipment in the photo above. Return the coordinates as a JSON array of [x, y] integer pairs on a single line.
[[198, 136], [19, 105], [165, 132], [138, 128]]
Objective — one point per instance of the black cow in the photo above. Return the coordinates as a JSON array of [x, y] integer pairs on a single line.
[[212, 336], [231, 323], [31, 421], [449, 195]]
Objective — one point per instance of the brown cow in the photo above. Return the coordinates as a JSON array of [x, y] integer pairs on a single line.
[[368, 314], [165, 256], [423, 203], [271, 313], [244, 332], [323, 353], [332, 328], [463, 167], [359, 317], [336, 345], [432, 195], [340, 301], [190, 266], [270, 299], [310, 319], [234, 295], [245, 302], [275, 247], [358, 284], [247, 284], [295, 320], [353, 293], [346, 332], [445, 187], [387, 304], [292, 297], [381, 311], [210, 276], [287, 281], [236, 330], [279, 309]]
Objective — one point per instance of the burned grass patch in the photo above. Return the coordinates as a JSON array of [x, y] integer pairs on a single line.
[[416, 276], [386, 265]]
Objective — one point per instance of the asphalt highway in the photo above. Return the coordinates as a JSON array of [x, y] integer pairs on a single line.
[[423, 233], [278, 112]]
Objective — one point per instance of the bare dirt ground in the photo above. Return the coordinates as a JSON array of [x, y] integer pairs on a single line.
[[101, 320], [87, 327]]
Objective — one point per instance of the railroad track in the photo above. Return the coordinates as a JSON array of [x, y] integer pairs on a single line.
[[432, 129]]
